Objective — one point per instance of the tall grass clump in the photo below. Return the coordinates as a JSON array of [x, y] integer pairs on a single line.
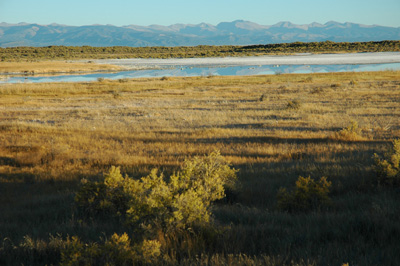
[[388, 167], [117, 250], [308, 195], [351, 133], [32, 251], [293, 105]]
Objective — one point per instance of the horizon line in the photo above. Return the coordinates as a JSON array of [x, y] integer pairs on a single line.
[[192, 24]]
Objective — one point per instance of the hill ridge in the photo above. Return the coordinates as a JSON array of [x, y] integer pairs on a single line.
[[238, 32]]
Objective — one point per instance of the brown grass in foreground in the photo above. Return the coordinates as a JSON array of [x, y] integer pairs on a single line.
[[273, 128], [54, 130], [52, 67]]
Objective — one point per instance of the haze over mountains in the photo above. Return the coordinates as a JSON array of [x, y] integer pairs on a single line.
[[238, 32]]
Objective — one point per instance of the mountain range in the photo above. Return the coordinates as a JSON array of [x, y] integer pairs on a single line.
[[238, 32]]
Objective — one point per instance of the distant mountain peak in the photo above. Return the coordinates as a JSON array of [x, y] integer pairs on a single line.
[[203, 25], [316, 24], [236, 21], [56, 24], [286, 24], [238, 32], [332, 22]]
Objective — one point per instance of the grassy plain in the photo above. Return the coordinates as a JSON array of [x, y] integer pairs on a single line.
[[52, 67], [54, 59], [271, 128], [29, 54]]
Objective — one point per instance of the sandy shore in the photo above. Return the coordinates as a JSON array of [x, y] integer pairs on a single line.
[[299, 59]]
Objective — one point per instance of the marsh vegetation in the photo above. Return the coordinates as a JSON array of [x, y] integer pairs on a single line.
[[57, 59], [88, 52], [309, 190]]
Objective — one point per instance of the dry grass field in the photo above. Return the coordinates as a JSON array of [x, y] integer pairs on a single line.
[[51, 67], [272, 128]]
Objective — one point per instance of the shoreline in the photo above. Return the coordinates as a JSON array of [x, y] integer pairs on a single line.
[[89, 66], [297, 59]]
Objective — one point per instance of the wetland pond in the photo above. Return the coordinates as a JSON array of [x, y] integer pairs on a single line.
[[227, 66]]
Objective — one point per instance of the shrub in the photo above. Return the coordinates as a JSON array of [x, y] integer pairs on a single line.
[[150, 251], [114, 251], [294, 105], [307, 195], [353, 83], [336, 85], [103, 198], [309, 79], [316, 90], [388, 168], [116, 94], [155, 203], [166, 78], [123, 80], [350, 133]]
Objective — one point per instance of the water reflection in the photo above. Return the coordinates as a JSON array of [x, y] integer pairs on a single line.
[[190, 71]]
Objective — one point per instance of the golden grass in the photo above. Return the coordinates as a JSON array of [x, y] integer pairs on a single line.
[[68, 130], [53, 67], [52, 135]]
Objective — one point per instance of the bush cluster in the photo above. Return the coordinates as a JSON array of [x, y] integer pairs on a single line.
[[351, 133], [298, 47], [388, 167], [114, 251], [308, 195], [149, 205], [158, 203]]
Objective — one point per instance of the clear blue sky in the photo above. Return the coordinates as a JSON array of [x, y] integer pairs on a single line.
[[167, 12]]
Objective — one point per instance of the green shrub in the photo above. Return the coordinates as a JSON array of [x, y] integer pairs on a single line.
[[150, 251], [307, 195], [103, 198], [155, 203], [388, 168]]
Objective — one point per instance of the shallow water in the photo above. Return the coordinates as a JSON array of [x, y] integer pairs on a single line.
[[192, 71]]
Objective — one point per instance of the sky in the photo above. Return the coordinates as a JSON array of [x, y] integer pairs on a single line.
[[168, 12]]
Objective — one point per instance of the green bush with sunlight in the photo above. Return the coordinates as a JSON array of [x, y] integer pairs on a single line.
[[155, 202]]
